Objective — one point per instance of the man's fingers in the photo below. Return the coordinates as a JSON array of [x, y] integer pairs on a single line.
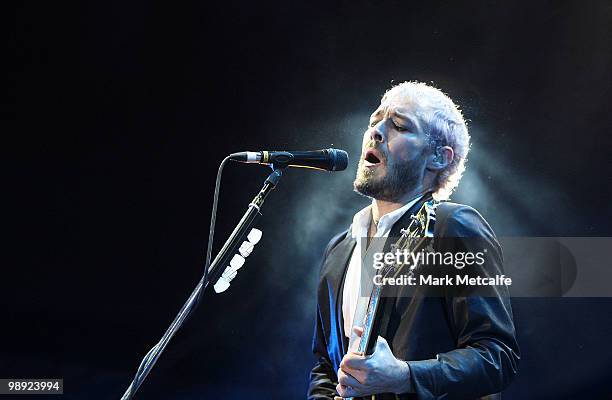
[[345, 391], [348, 380], [352, 361], [358, 330], [381, 342]]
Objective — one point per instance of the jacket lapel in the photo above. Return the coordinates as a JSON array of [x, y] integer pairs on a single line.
[[340, 255]]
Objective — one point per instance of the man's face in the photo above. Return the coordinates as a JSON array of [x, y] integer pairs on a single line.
[[394, 152]]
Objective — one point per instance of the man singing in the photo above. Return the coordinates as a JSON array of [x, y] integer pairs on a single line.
[[438, 347]]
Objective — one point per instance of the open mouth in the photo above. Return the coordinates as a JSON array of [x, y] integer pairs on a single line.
[[372, 158]]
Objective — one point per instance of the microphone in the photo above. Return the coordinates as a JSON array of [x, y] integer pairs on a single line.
[[325, 160]]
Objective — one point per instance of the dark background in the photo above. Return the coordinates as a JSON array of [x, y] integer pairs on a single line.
[[119, 112]]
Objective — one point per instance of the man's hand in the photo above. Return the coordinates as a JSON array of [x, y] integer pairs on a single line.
[[380, 372]]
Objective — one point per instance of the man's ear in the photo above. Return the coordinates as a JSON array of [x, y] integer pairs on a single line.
[[440, 158]]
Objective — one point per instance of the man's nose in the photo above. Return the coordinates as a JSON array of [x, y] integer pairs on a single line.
[[376, 133]]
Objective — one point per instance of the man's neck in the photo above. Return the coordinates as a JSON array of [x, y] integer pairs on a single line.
[[383, 207]]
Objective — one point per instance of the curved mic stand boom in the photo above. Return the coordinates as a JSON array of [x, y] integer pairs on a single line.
[[212, 274]]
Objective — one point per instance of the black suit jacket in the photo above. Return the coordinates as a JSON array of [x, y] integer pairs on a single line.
[[457, 347]]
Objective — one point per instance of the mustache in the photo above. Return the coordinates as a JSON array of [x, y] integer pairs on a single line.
[[375, 145]]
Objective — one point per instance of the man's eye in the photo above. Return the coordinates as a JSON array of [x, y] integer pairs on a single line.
[[400, 128]]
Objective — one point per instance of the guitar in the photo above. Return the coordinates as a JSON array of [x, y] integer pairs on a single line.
[[413, 238]]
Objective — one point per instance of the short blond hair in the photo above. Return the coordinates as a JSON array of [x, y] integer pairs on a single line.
[[444, 124]]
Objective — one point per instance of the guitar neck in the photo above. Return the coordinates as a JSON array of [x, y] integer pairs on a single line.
[[368, 340]]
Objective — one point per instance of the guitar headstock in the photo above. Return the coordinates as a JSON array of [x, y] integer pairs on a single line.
[[421, 228], [421, 223]]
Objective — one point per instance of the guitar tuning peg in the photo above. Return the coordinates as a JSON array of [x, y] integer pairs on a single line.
[[254, 236]]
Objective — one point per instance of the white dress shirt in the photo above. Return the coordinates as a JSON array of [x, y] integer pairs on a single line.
[[359, 230]]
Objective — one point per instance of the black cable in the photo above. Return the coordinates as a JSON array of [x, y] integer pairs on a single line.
[[213, 218]]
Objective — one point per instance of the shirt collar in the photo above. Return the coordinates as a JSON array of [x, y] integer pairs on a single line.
[[361, 220]]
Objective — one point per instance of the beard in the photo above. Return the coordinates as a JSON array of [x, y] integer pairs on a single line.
[[400, 177]]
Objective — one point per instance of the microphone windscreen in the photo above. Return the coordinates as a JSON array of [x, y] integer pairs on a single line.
[[339, 159]]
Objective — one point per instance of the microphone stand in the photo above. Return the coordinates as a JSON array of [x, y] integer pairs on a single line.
[[214, 272]]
